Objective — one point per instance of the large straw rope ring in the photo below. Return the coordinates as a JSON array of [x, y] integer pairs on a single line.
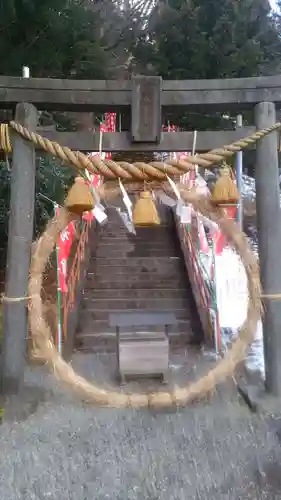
[[46, 350]]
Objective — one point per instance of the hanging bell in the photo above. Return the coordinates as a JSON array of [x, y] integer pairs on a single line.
[[80, 198], [145, 212], [225, 191]]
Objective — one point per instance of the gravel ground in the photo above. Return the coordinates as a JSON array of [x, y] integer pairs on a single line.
[[69, 451]]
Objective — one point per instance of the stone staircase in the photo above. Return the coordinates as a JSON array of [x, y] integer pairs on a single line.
[[142, 272]]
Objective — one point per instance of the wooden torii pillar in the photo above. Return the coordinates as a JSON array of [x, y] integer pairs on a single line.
[[21, 227], [269, 240]]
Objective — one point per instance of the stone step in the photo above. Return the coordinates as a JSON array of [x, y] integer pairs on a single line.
[[92, 314], [138, 240], [144, 303], [92, 328], [104, 345], [132, 281], [124, 236], [106, 341], [131, 251], [140, 293], [134, 273], [163, 211], [161, 265], [125, 244], [116, 231], [117, 221], [131, 274], [113, 225]]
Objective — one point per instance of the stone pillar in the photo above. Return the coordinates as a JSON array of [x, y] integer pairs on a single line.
[[269, 239], [19, 251]]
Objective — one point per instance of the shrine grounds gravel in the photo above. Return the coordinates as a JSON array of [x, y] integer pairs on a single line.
[[67, 450]]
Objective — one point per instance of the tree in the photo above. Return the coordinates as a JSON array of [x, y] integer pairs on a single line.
[[210, 39], [59, 39], [190, 39], [55, 38], [52, 182]]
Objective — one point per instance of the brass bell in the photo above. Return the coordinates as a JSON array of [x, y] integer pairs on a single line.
[[80, 198], [145, 212]]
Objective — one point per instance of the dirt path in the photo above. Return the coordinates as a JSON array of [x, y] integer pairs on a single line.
[[70, 451]]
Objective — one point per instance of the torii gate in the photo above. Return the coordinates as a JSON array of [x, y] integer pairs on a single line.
[[143, 99]]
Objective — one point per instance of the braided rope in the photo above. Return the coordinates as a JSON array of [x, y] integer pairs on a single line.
[[133, 171], [5, 143], [175, 396]]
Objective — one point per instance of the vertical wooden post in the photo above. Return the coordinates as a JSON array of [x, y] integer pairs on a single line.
[[19, 249], [269, 238]]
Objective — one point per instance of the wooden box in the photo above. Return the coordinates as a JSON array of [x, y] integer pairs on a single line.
[[143, 354], [141, 350]]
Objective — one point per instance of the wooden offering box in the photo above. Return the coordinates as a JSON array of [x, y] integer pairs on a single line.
[[142, 352]]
